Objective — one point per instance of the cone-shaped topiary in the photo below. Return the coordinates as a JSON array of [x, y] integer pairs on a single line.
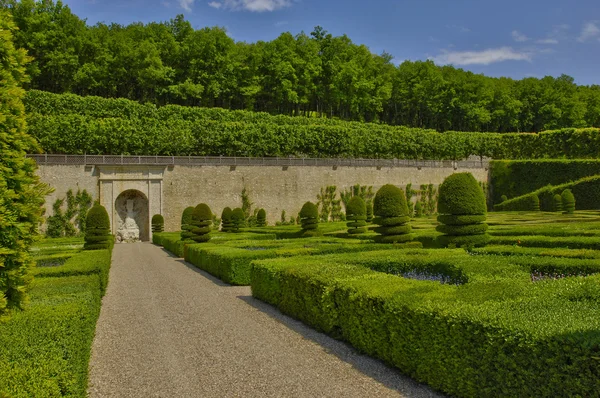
[[356, 214], [462, 210], [309, 218], [201, 222], [369, 211], [158, 223], [97, 229], [238, 219], [391, 213], [503, 198], [261, 218], [186, 223], [533, 202], [226, 220], [568, 201], [557, 203]]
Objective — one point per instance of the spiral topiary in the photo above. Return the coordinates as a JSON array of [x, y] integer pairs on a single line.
[[261, 218], [226, 220], [462, 210], [238, 219], [186, 224], [533, 202], [391, 214], [158, 223], [557, 203], [356, 215], [369, 211], [201, 222], [97, 229], [568, 201], [309, 218]]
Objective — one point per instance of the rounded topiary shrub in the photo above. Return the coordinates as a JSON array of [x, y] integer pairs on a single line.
[[261, 218], [419, 209], [392, 215], [186, 223], [158, 223], [557, 203], [201, 222], [369, 212], [533, 202], [356, 215], [97, 230], [503, 198], [568, 201], [226, 220], [238, 219], [462, 212], [309, 218]]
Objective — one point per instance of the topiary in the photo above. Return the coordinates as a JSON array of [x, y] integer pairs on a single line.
[[503, 198], [309, 218], [391, 211], [356, 214], [238, 219], [369, 211], [226, 220], [533, 202], [186, 224], [97, 230], [158, 223], [568, 201], [462, 209], [418, 209], [261, 218], [557, 203], [201, 222]]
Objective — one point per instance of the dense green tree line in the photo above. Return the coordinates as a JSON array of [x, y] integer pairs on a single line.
[[317, 75]]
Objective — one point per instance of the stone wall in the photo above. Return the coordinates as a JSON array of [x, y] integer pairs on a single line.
[[274, 188]]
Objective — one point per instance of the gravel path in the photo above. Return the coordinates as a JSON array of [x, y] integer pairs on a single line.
[[167, 329]]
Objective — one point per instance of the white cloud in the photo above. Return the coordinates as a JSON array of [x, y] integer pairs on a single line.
[[485, 57], [518, 36], [547, 41], [251, 5], [460, 28], [186, 4], [589, 31]]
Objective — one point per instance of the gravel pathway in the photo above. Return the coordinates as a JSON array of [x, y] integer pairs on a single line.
[[167, 329]]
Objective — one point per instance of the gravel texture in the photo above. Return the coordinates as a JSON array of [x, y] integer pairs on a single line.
[[167, 329]]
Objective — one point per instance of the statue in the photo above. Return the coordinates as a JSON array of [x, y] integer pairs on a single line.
[[129, 231]]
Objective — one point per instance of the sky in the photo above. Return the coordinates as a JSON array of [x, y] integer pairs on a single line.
[[518, 39]]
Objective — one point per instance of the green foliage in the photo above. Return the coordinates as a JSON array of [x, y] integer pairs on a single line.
[[309, 218], [201, 223], [419, 209], [238, 219], [568, 201], [533, 202], [186, 223], [356, 214], [460, 194], [63, 224], [261, 218], [97, 233], [226, 220], [557, 203], [158, 223], [392, 213], [246, 203], [503, 198], [331, 208], [409, 195], [369, 205]]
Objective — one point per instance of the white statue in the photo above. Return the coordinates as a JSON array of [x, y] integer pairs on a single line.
[[129, 231]]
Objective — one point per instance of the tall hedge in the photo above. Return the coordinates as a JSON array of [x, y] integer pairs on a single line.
[[462, 212], [309, 218], [356, 215], [261, 218], [226, 220], [97, 230], [392, 215], [158, 223], [568, 201], [186, 224], [238, 219], [201, 222], [21, 193]]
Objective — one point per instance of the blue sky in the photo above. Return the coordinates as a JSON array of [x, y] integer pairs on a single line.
[[498, 38]]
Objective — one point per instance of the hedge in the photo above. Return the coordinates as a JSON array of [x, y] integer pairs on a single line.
[[238, 220], [392, 215], [356, 215], [97, 230], [201, 222], [568, 201], [496, 334], [226, 220], [261, 218], [158, 223], [186, 223], [570, 242], [309, 218]]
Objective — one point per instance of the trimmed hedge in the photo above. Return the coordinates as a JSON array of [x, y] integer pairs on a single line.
[[558, 207], [201, 222], [97, 230], [186, 223], [309, 218], [392, 215], [356, 214], [226, 220], [238, 220], [261, 218], [568, 201], [158, 223]]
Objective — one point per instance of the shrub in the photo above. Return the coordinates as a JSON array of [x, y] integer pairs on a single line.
[[419, 209], [462, 211], [568, 201], [356, 214], [557, 204], [238, 219], [503, 198], [97, 233], [186, 224], [533, 202], [392, 214], [158, 223], [226, 220], [261, 218], [309, 218], [369, 211], [201, 222]]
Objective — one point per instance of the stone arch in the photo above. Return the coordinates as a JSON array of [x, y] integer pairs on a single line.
[[132, 216]]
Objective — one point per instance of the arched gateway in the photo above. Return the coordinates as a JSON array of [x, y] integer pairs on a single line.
[[131, 194]]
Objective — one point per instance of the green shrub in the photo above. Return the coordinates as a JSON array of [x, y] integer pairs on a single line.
[[533, 203], [97, 233], [158, 223], [186, 224], [568, 201], [261, 218], [356, 214], [226, 220], [369, 211], [392, 214], [309, 218], [462, 211], [201, 222], [503, 198], [238, 219], [557, 207], [419, 209]]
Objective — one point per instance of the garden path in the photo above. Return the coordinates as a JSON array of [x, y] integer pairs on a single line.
[[167, 329]]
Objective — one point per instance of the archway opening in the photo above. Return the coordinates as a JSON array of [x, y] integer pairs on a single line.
[[132, 217]]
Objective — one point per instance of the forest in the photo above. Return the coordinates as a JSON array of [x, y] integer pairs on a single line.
[[316, 75]]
